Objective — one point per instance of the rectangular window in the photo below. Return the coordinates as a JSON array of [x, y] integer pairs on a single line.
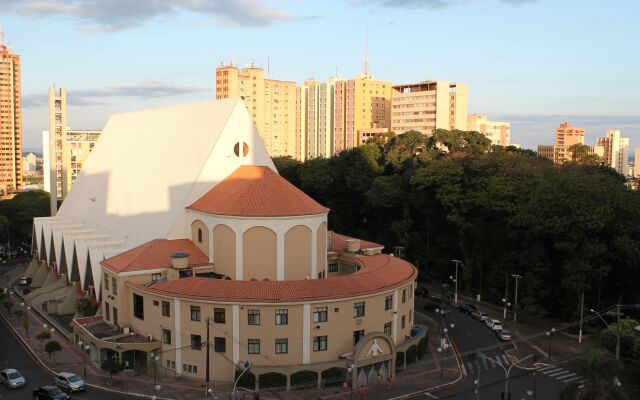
[[220, 344], [387, 328], [282, 346], [333, 265], [155, 277], [282, 316], [358, 309], [254, 317], [166, 336], [196, 342], [106, 281], [166, 309], [253, 346], [218, 315], [388, 302], [410, 315], [404, 295], [320, 314], [195, 313], [138, 306], [319, 343], [114, 285], [357, 335], [195, 369], [403, 322], [107, 311], [156, 303]]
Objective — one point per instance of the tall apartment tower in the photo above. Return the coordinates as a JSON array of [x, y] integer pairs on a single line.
[[361, 105], [498, 132], [636, 163], [429, 105], [566, 136], [615, 150], [10, 120], [317, 110], [271, 103]]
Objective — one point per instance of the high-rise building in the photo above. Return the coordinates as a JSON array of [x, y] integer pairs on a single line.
[[636, 165], [498, 132], [615, 150], [360, 104], [429, 105], [10, 120], [68, 148], [566, 136], [271, 103], [317, 110]]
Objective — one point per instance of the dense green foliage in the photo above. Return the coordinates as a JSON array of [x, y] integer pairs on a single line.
[[629, 339], [16, 214], [565, 229], [52, 347], [605, 375]]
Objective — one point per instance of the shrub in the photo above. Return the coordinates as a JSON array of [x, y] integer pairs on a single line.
[[422, 348], [412, 354], [44, 335], [52, 347]]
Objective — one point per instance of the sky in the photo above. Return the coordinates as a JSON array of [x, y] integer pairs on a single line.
[[535, 63]]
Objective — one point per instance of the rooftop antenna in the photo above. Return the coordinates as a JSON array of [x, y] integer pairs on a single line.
[[366, 54]]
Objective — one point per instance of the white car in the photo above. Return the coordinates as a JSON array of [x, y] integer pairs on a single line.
[[480, 316], [504, 335], [70, 382], [494, 324], [12, 379]]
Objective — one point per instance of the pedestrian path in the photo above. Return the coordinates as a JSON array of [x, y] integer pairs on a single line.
[[563, 374], [483, 363]]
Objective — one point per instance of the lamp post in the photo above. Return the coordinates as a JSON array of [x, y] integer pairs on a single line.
[[84, 347], [350, 380], [507, 371], [515, 302], [244, 366], [455, 296], [156, 387], [617, 330], [549, 333], [506, 298]]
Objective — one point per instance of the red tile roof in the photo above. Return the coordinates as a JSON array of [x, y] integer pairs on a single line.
[[378, 273], [256, 191], [339, 242], [155, 254]]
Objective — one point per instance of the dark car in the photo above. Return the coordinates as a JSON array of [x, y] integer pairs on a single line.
[[49, 393], [467, 308], [422, 292]]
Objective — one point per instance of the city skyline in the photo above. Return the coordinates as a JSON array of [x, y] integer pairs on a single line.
[[509, 76]]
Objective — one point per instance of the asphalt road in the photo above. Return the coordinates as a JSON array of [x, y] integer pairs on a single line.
[[471, 336]]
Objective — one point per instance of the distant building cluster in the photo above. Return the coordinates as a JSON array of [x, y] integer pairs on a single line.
[[321, 119], [10, 121], [612, 148]]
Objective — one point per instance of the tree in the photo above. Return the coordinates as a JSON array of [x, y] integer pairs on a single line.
[[602, 371], [20, 211], [19, 314], [112, 366], [42, 336], [8, 305], [629, 338], [52, 347], [26, 325]]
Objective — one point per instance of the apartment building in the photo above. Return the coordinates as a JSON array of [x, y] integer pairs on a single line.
[[363, 103], [317, 109], [272, 104], [498, 132], [10, 120], [566, 136], [429, 105], [69, 149], [616, 150]]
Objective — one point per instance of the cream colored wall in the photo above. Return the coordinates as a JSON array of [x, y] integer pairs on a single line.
[[297, 253], [204, 245], [259, 254], [224, 251], [321, 248]]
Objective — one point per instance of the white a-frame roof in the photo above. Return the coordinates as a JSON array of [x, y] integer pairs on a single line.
[[146, 168]]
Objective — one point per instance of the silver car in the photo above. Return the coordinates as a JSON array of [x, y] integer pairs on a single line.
[[70, 382], [12, 379]]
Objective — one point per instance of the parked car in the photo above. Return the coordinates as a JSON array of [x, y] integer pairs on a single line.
[[12, 379], [25, 281], [49, 393], [467, 308], [503, 335], [70, 382], [494, 324], [480, 316], [422, 292]]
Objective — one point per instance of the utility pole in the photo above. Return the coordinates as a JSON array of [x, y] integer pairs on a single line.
[[207, 363], [455, 297], [506, 298], [515, 303], [581, 318], [618, 332]]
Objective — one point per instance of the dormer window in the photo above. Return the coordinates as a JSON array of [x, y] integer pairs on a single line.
[[199, 235]]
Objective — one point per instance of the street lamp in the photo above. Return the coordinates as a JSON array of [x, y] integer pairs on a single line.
[[441, 360], [84, 347], [350, 380], [549, 333], [507, 371], [244, 366], [156, 387], [455, 298], [515, 305]]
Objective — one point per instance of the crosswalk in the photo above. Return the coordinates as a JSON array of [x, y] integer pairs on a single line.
[[483, 363], [563, 375]]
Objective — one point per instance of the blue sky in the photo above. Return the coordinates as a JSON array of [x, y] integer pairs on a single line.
[[535, 63]]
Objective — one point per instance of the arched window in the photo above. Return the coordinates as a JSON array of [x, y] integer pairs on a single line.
[[199, 235]]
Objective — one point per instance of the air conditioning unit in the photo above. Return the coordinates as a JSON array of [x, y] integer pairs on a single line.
[[358, 320]]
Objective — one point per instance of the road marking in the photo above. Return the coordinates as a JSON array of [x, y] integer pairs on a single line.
[[566, 375], [506, 359], [484, 362], [572, 379], [429, 395], [584, 380], [558, 373], [552, 370], [470, 366], [581, 387], [477, 365], [498, 360], [545, 368]]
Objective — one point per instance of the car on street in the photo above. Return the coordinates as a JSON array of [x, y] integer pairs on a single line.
[[503, 335], [70, 382], [480, 316], [467, 308], [25, 281], [12, 379], [421, 292], [494, 324], [49, 393]]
